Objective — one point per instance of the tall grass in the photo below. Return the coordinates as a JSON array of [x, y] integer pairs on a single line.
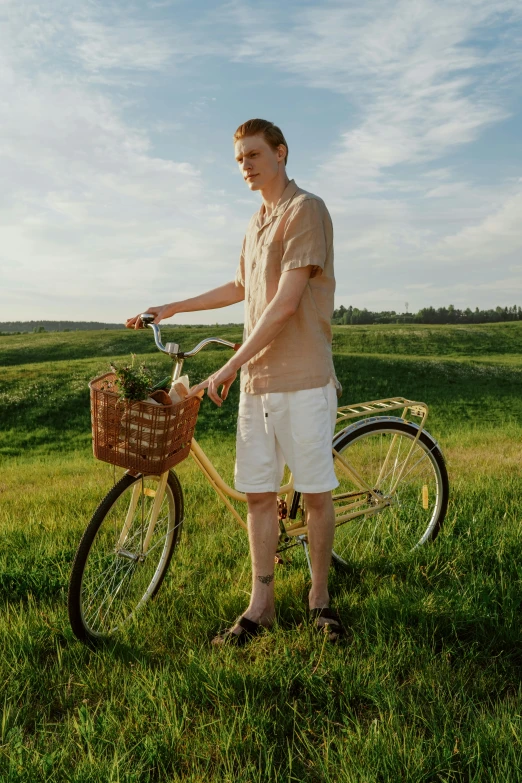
[[425, 686]]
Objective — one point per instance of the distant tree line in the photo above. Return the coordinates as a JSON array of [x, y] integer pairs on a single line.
[[40, 327], [18, 327], [428, 315]]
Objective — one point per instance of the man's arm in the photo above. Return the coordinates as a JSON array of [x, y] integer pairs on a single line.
[[225, 295], [290, 290]]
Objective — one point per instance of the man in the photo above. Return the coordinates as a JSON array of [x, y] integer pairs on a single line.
[[288, 396]]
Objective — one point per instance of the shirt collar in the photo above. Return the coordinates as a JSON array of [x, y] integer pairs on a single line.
[[288, 194]]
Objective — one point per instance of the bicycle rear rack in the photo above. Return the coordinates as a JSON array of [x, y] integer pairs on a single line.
[[373, 407]]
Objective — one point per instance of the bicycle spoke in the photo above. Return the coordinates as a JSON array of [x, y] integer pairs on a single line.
[[110, 584], [114, 593], [365, 550], [423, 457], [107, 577], [396, 460], [160, 542]]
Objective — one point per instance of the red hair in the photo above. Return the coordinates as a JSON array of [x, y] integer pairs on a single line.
[[270, 132]]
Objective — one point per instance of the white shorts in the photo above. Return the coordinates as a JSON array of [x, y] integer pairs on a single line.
[[295, 428]]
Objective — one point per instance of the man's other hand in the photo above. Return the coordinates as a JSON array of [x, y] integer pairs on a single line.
[[224, 378]]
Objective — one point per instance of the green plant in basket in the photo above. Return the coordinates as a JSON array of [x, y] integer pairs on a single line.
[[133, 382]]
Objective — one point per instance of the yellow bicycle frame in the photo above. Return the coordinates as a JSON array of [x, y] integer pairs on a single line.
[[357, 505]]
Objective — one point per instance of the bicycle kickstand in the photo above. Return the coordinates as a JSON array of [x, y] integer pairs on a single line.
[[303, 540]]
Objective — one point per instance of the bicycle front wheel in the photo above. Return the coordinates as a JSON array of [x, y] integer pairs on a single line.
[[411, 492], [114, 574]]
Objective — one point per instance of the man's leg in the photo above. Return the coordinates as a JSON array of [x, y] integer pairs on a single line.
[[263, 536], [320, 517]]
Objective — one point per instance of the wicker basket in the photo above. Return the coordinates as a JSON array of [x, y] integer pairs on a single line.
[[139, 436]]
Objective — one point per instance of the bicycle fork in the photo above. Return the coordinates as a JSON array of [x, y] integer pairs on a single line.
[[138, 493]]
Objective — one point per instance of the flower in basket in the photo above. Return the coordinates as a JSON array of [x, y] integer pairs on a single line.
[[133, 382]]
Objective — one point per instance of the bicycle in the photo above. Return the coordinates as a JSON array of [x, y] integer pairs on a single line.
[[392, 498]]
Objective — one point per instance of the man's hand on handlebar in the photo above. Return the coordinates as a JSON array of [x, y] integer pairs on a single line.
[[159, 313], [224, 378]]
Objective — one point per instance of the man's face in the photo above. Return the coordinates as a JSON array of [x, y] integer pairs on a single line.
[[258, 163]]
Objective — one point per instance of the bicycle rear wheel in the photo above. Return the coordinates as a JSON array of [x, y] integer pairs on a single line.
[[379, 450], [111, 576]]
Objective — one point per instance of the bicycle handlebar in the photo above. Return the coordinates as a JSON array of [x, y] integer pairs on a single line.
[[172, 349]]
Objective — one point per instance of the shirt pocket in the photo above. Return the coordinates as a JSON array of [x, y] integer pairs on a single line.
[[270, 270], [271, 257]]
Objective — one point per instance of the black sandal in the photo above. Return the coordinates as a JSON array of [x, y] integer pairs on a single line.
[[334, 629], [249, 629]]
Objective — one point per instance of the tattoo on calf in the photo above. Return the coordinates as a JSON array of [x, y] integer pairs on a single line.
[[266, 579]]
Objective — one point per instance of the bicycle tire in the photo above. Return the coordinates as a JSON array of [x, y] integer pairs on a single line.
[[107, 586], [418, 506]]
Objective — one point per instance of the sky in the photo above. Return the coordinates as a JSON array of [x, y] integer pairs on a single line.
[[119, 189]]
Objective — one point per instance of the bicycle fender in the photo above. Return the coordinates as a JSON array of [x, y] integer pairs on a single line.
[[339, 436]]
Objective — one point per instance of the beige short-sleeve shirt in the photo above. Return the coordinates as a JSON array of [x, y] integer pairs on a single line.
[[298, 233]]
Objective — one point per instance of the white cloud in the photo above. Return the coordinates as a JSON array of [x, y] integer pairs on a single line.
[[124, 46], [502, 229], [448, 189]]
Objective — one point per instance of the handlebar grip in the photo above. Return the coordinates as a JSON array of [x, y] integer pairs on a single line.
[[237, 346]]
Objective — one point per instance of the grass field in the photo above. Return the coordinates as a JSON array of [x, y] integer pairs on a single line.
[[425, 687]]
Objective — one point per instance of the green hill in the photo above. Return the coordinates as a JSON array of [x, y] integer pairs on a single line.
[[428, 340], [465, 374], [60, 346], [383, 339]]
